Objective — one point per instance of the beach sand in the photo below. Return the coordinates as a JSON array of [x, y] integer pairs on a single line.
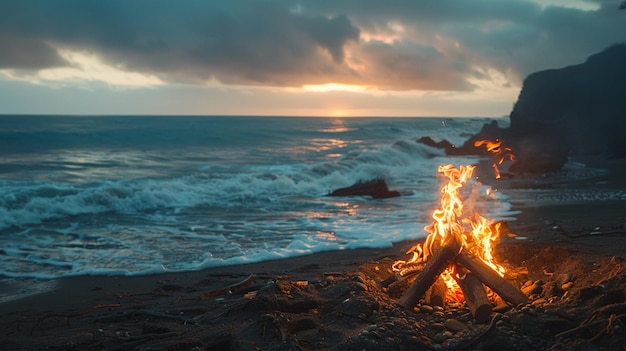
[[573, 252]]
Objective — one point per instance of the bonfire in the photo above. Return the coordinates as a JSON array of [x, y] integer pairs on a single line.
[[459, 249]]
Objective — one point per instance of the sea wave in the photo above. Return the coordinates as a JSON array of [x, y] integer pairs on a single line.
[[186, 194]]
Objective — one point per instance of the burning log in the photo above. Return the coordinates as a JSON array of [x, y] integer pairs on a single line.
[[436, 295], [433, 268], [475, 296], [492, 279]]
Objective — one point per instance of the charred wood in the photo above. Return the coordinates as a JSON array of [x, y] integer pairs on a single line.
[[492, 279], [435, 265], [475, 297]]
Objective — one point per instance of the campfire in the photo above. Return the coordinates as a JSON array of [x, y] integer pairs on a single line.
[[458, 251]]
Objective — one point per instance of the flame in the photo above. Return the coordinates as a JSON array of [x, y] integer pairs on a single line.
[[499, 152], [475, 233]]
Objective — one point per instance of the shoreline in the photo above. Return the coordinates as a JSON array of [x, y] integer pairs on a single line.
[[535, 220], [91, 311], [90, 286]]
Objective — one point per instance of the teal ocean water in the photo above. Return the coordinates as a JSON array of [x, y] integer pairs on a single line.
[[142, 194]]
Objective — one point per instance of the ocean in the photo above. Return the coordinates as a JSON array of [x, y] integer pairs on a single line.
[[129, 195]]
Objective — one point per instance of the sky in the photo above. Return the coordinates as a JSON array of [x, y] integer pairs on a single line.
[[290, 57]]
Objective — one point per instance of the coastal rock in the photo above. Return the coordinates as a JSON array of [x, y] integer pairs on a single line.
[[577, 110], [572, 111], [376, 188], [489, 131]]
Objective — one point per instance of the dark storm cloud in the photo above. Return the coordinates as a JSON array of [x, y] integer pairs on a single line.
[[445, 43], [249, 42], [516, 36], [267, 44], [24, 53]]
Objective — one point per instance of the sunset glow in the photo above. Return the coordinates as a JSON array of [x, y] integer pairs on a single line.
[[323, 88], [338, 58]]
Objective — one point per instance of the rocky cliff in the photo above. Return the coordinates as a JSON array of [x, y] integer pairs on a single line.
[[578, 110]]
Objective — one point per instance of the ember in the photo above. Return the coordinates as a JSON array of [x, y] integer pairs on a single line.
[[500, 153]]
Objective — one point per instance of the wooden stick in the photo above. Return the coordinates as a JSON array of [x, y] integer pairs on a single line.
[[400, 285], [435, 265], [228, 289], [492, 279], [436, 295], [475, 296]]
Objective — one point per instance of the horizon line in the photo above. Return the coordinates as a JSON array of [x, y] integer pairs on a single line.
[[230, 115]]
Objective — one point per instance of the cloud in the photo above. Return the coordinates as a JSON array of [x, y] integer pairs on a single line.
[[392, 45]]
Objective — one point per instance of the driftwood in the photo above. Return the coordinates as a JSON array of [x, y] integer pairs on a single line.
[[475, 296], [228, 289], [492, 279], [435, 265]]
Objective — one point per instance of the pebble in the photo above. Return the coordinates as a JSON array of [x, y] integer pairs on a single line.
[[438, 326], [539, 301], [454, 325], [441, 337], [361, 286], [564, 278], [426, 309], [501, 308], [534, 288]]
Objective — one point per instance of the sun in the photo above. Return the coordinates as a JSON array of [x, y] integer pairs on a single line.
[[338, 112]]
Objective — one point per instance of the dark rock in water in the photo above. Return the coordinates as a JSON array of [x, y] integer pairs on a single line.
[[490, 131], [577, 110], [376, 188], [444, 144]]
